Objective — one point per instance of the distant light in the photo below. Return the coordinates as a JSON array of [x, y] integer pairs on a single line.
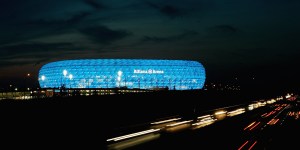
[[16, 89], [71, 76], [65, 72], [28, 75]]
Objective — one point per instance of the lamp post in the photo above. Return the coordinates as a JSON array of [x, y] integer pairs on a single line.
[[43, 78], [119, 81], [170, 86], [106, 82], [125, 82], [119, 77], [25, 84], [62, 88], [139, 83], [28, 76], [70, 77], [65, 72]]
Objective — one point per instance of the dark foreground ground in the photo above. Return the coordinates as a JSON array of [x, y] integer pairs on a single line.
[[86, 122]]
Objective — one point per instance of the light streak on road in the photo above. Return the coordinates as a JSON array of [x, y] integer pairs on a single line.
[[255, 125], [165, 121], [133, 141], [220, 112], [179, 123], [249, 125], [273, 121], [204, 116], [236, 112], [241, 147], [244, 144], [133, 135], [252, 145]]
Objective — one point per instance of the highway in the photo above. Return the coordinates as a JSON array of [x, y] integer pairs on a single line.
[[198, 122], [269, 124]]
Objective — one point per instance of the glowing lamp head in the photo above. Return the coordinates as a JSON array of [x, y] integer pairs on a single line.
[[120, 73], [43, 77], [65, 72]]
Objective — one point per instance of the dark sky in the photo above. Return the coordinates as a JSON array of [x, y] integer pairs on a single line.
[[231, 38]]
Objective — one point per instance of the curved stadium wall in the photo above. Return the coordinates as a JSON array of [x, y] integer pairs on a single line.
[[117, 73]]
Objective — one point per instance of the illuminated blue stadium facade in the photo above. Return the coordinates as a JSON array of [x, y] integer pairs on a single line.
[[117, 73]]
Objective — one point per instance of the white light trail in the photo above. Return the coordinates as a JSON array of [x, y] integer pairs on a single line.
[[133, 135], [165, 121]]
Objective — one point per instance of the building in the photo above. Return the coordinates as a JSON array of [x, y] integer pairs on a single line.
[[123, 74]]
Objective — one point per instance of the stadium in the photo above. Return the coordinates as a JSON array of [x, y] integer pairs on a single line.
[[123, 73]]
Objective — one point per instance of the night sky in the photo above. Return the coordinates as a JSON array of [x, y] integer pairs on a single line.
[[236, 40]]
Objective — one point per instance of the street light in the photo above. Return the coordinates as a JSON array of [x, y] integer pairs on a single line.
[[106, 82], [65, 72], [119, 80], [25, 83], [70, 77], [43, 79], [119, 77]]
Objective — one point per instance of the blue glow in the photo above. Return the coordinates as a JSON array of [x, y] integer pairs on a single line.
[[130, 73]]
